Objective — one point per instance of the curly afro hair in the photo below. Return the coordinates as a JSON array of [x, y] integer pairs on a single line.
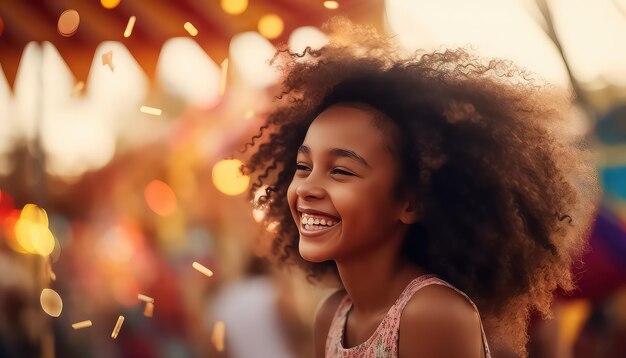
[[508, 198]]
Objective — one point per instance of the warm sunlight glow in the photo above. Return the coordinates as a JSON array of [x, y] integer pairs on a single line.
[[109, 4], [271, 26], [227, 177], [234, 7]]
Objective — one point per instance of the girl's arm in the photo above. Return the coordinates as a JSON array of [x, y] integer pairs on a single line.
[[323, 318], [438, 322]]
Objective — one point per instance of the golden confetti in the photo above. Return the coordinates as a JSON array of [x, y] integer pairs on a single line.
[[224, 76], [219, 333], [82, 324], [107, 59], [129, 26], [68, 23], [118, 326], [150, 110], [51, 302], [145, 298], [332, 5], [149, 310], [202, 269], [78, 88], [190, 28]]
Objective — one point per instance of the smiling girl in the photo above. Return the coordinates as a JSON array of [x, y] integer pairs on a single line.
[[433, 187]]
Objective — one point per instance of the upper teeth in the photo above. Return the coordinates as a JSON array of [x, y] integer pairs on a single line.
[[311, 220]]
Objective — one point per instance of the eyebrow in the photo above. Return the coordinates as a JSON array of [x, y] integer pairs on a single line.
[[340, 153]]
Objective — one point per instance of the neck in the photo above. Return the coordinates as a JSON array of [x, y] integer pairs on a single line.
[[376, 277]]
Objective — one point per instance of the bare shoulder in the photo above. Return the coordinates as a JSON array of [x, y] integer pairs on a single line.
[[323, 318], [439, 322]]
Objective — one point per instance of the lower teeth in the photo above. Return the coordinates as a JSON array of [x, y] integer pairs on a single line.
[[315, 227]]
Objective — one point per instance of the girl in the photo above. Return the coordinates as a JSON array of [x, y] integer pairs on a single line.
[[433, 187]]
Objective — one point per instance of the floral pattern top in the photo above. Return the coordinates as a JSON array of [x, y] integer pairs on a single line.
[[383, 343]]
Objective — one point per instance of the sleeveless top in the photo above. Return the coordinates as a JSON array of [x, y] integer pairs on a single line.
[[383, 343]]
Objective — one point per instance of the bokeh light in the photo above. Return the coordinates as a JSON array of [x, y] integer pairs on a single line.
[[228, 178], [109, 4], [306, 36], [187, 72], [260, 209], [25, 92], [331, 5], [271, 26], [258, 215], [117, 244], [32, 232], [160, 198], [249, 55], [234, 7], [51, 302]]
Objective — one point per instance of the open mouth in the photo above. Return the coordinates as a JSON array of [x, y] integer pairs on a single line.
[[314, 222]]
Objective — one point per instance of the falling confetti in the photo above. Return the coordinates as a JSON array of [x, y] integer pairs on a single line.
[[149, 310], [150, 110], [129, 26], [224, 76], [107, 59], [190, 28], [219, 333], [68, 23], [51, 302], [82, 324], [202, 269], [118, 326], [145, 298], [332, 5], [78, 88]]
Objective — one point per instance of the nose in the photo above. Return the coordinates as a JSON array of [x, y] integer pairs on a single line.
[[308, 189]]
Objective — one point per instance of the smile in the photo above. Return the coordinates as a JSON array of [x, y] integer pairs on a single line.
[[313, 225]]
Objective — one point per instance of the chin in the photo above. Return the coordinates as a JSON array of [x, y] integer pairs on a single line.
[[312, 254]]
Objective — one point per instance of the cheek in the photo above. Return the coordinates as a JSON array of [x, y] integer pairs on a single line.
[[362, 207]]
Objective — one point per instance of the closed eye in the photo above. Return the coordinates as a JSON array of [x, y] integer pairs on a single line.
[[340, 171]]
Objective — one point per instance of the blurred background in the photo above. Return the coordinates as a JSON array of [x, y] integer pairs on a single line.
[[120, 125]]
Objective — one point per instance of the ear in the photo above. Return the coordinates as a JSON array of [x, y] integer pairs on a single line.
[[412, 211]]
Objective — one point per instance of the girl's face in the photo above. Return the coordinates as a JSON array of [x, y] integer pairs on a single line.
[[341, 194]]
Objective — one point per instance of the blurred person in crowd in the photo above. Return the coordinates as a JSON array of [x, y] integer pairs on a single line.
[[431, 186], [258, 315]]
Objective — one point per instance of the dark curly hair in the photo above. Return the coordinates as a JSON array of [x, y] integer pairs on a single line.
[[508, 198]]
